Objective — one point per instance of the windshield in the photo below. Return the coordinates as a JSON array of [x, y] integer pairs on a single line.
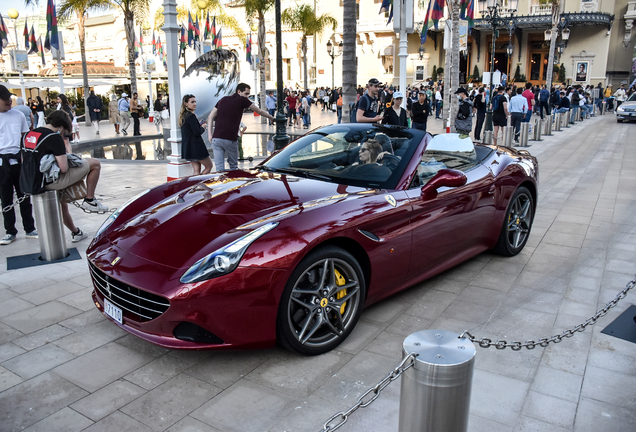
[[353, 154], [632, 98]]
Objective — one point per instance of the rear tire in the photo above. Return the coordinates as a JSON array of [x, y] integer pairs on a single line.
[[517, 224], [322, 302]]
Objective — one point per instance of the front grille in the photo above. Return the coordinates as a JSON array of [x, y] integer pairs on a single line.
[[136, 304]]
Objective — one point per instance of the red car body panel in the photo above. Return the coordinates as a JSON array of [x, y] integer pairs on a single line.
[[394, 234]]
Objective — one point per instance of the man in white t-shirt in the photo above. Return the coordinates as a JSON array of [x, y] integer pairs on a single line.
[[13, 126]]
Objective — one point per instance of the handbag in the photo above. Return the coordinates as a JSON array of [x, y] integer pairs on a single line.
[[74, 192]]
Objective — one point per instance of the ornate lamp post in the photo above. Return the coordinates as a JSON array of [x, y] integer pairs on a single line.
[[333, 53], [492, 12], [281, 139], [421, 51]]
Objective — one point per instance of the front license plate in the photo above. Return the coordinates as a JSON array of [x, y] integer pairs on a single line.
[[113, 311]]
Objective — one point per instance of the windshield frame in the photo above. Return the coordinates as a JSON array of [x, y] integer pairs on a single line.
[[282, 158]]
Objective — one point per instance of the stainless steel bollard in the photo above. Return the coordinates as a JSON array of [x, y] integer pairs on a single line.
[[557, 122], [487, 137], [603, 107], [565, 119], [48, 217], [435, 394], [523, 135], [536, 130], [508, 132]]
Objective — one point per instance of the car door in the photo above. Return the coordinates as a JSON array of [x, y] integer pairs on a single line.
[[453, 225]]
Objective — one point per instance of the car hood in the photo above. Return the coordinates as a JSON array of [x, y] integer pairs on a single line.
[[204, 217]]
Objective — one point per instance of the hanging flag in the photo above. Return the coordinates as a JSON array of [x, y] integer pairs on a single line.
[[51, 26], [206, 33], [213, 32], [137, 47], [154, 48], [190, 30], [387, 6], [33, 42], [438, 12], [197, 32], [219, 40], [467, 11], [248, 50], [41, 48], [25, 33], [182, 42], [141, 41], [4, 40], [159, 47], [47, 42], [428, 23]]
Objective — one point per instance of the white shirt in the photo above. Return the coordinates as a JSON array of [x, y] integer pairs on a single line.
[[12, 126], [240, 131], [438, 95]]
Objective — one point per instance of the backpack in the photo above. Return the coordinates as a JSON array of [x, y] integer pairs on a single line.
[[31, 179], [495, 103], [353, 110], [464, 111]]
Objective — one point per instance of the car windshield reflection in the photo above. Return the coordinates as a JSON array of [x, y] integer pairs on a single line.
[[354, 154]]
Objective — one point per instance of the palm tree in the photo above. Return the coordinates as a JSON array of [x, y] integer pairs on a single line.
[[132, 9], [454, 71], [349, 68], [556, 12], [303, 18], [256, 9], [80, 8]]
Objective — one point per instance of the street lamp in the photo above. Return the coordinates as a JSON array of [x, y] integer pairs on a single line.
[[421, 52], [492, 12], [281, 139], [333, 53]]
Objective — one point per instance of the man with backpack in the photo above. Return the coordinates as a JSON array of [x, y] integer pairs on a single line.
[[464, 120], [13, 126], [544, 96], [366, 110]]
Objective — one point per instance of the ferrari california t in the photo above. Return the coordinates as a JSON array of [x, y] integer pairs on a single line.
[[294, 249]]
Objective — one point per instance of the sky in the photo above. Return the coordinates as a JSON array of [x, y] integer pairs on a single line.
[[5, 5]]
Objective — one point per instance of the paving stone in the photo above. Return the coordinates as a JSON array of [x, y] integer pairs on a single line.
[[171, 401], [245, 406], [222, 369], [12, 305], [494, 280], [9, 350], [384, 312], [41, 337], [407, 324], [189, 424], [553, 382], [31, 401], [157, 372], [594, 415], [102, 366], [52, 292], [497, 398], [480, 424], [360, 337], [64, 420], [296, 375], [38, 317], [119, 422], [106, 400], [37, 361], [8, 379], [81, 300], [608, 386], [474, 313], [83, 319], [8, 334], [88, 338], [387, 344], [519, 365], [550, 409], [426, 310]]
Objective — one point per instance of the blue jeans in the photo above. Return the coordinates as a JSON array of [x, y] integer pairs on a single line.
[[561, 110], [438, 108], [527, 117], [516, 118], [339, 111], [306, 119], [574, 109], [419, 126], [272, 112]]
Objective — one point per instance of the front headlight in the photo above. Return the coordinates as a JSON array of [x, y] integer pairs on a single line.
[[224, 260], [114, 215]]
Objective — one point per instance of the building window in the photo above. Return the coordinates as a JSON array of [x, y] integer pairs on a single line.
[[419, 73]]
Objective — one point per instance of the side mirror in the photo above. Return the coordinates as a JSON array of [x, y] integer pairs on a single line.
[[443, 178]]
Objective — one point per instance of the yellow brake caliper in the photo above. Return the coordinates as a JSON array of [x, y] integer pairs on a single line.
[[340, 280]]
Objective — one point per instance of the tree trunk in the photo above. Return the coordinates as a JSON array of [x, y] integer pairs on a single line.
[[129, 22], [82, 40], [555, 22], [454, 75], [261, 64], [349, 70], [304, 49]]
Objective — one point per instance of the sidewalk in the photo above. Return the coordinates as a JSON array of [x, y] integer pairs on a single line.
[[64, 367]]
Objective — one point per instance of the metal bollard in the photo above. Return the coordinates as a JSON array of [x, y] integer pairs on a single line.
[[435, 393], [487, 137], [508, 132], [565, 119], [603, 107], [536, 130], [523, 135], [48, 217], [548, 124], [557, 122]]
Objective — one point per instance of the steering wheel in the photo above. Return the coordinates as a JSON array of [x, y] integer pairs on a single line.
[[390, 161]]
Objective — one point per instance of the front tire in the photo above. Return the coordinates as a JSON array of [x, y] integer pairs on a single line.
[[517, 223], [322, 301]]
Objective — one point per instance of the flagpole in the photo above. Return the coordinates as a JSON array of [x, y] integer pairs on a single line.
[[15, 29]]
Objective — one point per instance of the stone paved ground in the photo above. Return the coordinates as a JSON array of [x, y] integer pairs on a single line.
[[64, 367]]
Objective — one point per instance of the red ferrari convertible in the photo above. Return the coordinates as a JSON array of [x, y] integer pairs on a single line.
[[293, 250]]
